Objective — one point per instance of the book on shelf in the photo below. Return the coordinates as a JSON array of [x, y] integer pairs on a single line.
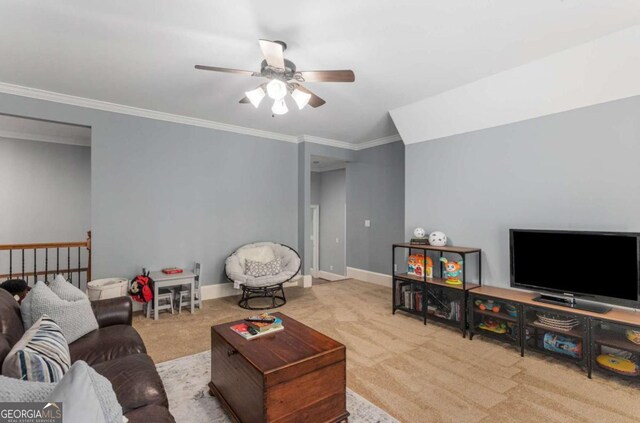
[[242, 329]]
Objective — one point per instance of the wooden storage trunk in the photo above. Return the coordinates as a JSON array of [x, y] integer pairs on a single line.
[[294, 375]]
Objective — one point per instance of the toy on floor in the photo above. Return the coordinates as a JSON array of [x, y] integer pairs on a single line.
[[488, 305], [563, 345], [618, 365], [453, 271], [493, 326]]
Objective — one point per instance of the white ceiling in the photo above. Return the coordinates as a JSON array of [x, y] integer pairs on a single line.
[[39, 130], [141, 53]]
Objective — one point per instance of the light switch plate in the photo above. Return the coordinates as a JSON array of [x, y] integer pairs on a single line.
[[367, 223]]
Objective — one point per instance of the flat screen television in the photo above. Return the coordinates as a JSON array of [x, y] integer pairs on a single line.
[[595, 266]]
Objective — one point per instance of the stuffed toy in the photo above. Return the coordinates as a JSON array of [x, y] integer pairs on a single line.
[[142, 288]]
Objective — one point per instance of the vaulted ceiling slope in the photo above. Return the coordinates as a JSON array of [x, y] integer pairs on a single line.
[[141, 53]]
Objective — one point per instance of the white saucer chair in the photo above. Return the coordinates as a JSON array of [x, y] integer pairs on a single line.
[[262, 286]]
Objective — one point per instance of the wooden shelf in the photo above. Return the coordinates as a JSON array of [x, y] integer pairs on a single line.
[[615, 340], [445, 249], [616, 315], [499, 315], [574, 333], [434, 281]]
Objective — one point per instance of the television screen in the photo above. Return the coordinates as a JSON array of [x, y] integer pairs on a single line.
[[603, 266]]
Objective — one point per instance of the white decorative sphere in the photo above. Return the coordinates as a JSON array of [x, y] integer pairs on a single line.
[[438, 239], [419, 232]]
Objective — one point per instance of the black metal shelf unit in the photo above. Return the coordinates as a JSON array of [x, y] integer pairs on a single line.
[[503, 325], [571, 345], [620, 340], [433, 298]]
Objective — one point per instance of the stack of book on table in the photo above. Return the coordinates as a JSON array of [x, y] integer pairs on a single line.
[[259, 325]]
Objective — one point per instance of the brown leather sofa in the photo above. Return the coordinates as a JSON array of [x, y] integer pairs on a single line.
[[115, 350]]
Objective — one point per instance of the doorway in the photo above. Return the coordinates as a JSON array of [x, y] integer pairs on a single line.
[[328, 218]]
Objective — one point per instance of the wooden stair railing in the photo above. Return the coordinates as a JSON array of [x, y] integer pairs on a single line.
[[23, 252]]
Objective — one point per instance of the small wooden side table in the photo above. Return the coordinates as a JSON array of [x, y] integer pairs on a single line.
[[162, 280]]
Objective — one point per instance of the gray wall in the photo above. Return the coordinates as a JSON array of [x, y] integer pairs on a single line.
[[574, 170], [315, 188], [305, 151], [375, 191], [333, 221], [167, 194], [45, 192]]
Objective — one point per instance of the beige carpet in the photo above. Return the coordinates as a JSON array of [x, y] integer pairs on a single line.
[[418, 373]]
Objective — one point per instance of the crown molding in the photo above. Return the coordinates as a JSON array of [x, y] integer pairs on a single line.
[[44, 138], [377, 142], [348, 146], [71, 100], [326, 141], [136, 111]]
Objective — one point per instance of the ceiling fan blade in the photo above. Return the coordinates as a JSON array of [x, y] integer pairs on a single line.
[[244, 100], [273, 53], [227, 70], [314, 101], [327, 76]]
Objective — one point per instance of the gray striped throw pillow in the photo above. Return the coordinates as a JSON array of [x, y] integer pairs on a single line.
[[41, 355]]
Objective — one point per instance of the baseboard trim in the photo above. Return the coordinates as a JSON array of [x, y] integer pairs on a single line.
[[330, 276], [221, 290], [370, 277]]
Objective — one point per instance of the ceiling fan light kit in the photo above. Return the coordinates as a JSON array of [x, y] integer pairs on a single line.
[[279, 107], [283, 79], [276, 89], [255, 96], [301, 98]]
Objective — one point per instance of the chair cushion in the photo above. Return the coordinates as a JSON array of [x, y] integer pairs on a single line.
[[150, 413], [107, 343], [42, 355], [260, 252], [135, 381], [75, 318], [86, 396]]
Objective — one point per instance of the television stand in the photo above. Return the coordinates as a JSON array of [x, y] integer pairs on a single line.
[[572, 303]]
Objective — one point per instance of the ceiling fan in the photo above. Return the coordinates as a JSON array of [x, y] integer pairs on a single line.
[[284, 79]]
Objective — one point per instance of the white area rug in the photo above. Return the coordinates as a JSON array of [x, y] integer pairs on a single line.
[[185, 380]]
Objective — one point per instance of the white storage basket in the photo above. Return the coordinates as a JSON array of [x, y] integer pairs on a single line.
[[101, 289]]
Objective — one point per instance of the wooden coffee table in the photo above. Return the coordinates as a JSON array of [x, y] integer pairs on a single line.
[[294, 375]]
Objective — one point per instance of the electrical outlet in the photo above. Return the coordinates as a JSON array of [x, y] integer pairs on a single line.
[[330, 267], [337, 240], [367, 223], [395, 267]]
